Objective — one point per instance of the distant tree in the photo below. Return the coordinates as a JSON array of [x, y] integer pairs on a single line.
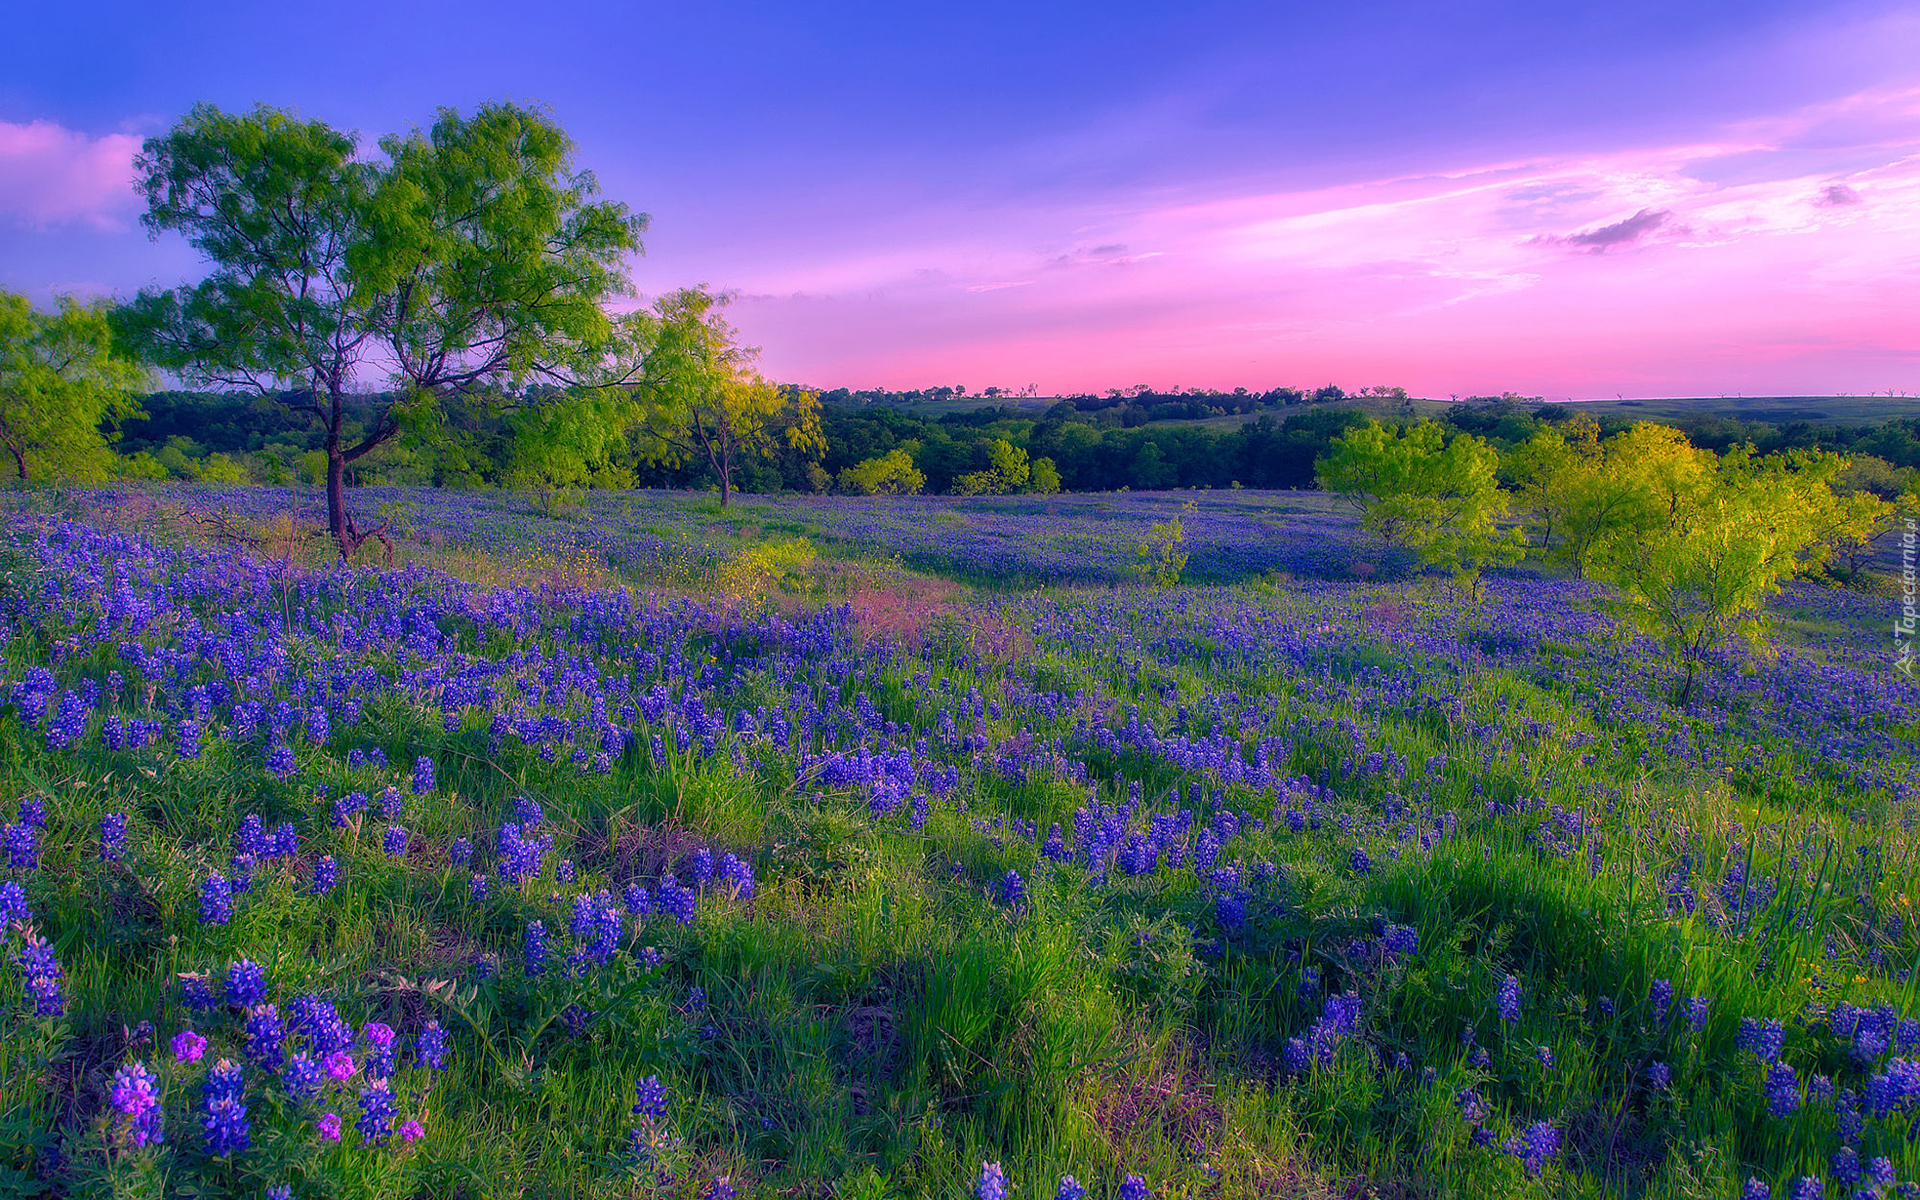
[[61, 380], [1417, 489], [701, 398], [474, 257], [1007, 471], [891, 474], [1045, 477]]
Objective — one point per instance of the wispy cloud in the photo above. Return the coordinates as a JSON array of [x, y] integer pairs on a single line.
[[51, 175]]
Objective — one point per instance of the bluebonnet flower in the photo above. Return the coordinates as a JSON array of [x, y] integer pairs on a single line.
[[1134, 1188], [135, 1096], [461, 852], [280, 762], [23, 846], [280, 1191], [422, 775], [40, 973], [195, 991], [1359, 862], [1783, 1090], [216, 901], [376, 1112], [564, 873], [1763, 1038], [1697, 1013], [1809, 1187], [326, 874], [1756, 1189], [265, 1037], [395, 841], [1536, 1145], [431, 1047], [1659, 1076], [1660, 995], [739, 876], [224, 1079], [650, 1098], [1510, 999], [13, 904], [675, 901], [1400, 941], [992, 1184], [240, 875], [246, 983], [380, 1042], [347, 807], [534, 947], [721, 1189], [1013, 890], [1845, 1166], [477, 890], [186, 744], [1070, 1188], [1544, 1053], [301, 1077], [226, 1125], [113, 836], [1055, 850]]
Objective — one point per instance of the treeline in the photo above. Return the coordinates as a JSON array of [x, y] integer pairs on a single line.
[[1088, 446]]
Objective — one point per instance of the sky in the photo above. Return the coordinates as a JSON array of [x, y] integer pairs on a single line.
[[1567, 200]]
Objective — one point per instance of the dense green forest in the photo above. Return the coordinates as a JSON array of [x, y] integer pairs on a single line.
[[1096, 443]]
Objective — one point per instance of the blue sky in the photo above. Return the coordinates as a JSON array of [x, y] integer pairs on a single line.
[[1085, 196]]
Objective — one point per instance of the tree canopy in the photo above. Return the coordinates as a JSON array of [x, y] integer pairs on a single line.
[[473, 256], [1437, 496], [64, 387], [703, 400]]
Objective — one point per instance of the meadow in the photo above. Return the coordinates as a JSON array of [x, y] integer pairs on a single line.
[[915, 847]]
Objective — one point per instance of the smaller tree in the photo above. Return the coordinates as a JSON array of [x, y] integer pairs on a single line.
[[1415, 489], [891, 474], [63, 389], [702, 400], [1008, 470], [1162, 555], [1695, 577]]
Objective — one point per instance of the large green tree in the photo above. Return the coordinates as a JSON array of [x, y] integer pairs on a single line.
[[471, 257], [63, 387]]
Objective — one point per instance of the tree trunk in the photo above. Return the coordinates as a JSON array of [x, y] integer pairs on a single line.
[[337, 500], [19, 462]]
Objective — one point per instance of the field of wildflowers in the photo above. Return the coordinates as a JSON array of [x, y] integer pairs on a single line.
[[647, 852]]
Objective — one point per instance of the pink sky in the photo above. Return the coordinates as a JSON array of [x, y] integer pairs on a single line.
[[1776, 257]]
